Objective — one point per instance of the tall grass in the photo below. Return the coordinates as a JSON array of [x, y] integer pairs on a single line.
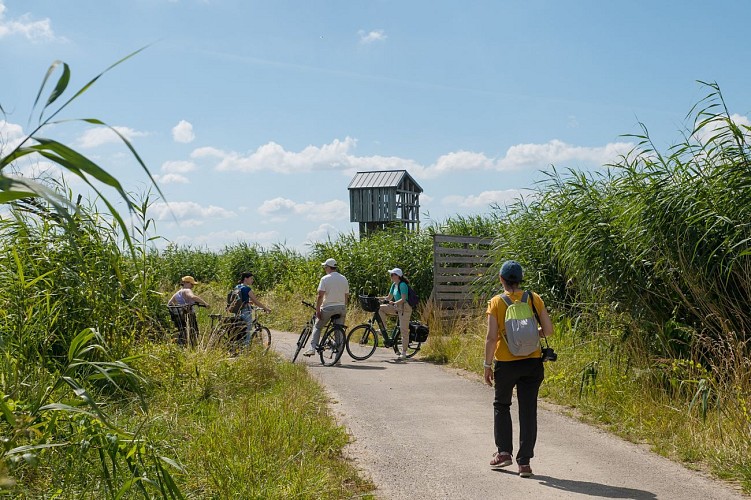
[[72, 308], [71, 305]]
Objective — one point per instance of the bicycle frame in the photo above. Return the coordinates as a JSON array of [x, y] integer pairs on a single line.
[[362, 340], [235, 329], [325, 341], [388, 340]]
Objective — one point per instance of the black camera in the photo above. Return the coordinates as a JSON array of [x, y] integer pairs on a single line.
[[548, 354]]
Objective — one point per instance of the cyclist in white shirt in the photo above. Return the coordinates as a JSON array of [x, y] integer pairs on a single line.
[[333, 295], [182, 313]]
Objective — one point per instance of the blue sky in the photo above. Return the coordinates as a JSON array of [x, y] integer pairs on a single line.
[[254, 116]]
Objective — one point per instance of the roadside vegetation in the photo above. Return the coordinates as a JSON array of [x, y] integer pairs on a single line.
[[645, 267], [95, 399]]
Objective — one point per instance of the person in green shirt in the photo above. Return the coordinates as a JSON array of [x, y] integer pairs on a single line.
[[397, 305]]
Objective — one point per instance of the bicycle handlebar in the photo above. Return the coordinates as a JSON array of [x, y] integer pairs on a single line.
[[185, 306], [308, 304]]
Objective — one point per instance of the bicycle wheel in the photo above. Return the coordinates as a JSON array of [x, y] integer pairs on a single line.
[[302, 340], [412, 348], [261, 337], [362, 342], [331, 346]]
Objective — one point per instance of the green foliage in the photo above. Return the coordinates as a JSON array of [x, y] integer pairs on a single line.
[[275, 267], [365, 261], [61, 275], [60, 415], [177, 261], [75, 293]]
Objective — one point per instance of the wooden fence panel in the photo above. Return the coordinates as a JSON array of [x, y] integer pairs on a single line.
[[458, 261]]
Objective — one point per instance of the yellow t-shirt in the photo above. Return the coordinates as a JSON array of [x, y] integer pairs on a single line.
[[497, 307]]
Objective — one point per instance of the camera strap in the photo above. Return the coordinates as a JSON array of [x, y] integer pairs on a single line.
[[537, 316]]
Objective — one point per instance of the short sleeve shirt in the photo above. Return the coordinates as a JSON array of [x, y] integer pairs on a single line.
[[399, 292], [497, 307], [335, 288], [181, 297], [244, 293]]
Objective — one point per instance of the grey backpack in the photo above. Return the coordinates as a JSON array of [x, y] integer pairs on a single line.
[[522, 336]]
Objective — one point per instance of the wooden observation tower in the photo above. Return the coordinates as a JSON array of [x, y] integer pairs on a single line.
[[384, 198]]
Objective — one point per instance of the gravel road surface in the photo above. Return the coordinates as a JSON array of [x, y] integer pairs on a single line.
[[425, 431]]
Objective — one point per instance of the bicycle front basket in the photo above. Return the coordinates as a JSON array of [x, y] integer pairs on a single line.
[[370, 304]]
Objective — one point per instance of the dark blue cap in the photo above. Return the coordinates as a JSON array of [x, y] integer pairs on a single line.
[[512, 271]]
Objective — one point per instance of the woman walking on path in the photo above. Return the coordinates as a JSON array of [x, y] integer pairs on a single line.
[[397, 305], [524, 372]]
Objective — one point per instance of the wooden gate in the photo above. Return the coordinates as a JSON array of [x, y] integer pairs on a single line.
[[458, 261]]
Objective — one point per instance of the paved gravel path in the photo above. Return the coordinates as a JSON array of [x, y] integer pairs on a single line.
[[424, 431]]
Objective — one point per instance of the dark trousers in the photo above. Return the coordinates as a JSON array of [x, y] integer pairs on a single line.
[[526, 375]]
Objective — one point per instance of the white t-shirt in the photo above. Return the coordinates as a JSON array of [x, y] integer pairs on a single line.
[[182, 297], [336, 287]]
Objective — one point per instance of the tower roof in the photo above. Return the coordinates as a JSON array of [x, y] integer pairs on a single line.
[[383, 178]]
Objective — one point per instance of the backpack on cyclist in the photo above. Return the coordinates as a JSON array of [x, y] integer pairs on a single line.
[[412, 298], [234, 301], [522, 335]]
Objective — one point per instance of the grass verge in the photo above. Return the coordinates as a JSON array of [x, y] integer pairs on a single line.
[[247, 427]]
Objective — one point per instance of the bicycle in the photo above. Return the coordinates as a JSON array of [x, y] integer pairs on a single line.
[[184, 318], [362, 340], [234, 329], [331, 344]]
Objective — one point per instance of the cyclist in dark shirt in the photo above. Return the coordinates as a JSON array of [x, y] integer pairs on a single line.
[[248, 297]]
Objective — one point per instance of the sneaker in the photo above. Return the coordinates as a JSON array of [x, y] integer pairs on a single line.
[[525, 470], [309, 352], [501, 460], [401, 357]]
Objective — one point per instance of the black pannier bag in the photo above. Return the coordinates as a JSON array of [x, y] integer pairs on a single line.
[[418, 332]]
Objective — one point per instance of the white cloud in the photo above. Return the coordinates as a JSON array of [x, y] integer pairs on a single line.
[[458, 162], [273, 157], [280, 209], [522, 156], [173, 172], [484, 199], [11, 136], [219, 239], [171, 179], [323, 233], [555, 152], [339, 156], [373, 36], [183, 132], [178, 167], [188, 213], [98, 136], [24, 26]]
